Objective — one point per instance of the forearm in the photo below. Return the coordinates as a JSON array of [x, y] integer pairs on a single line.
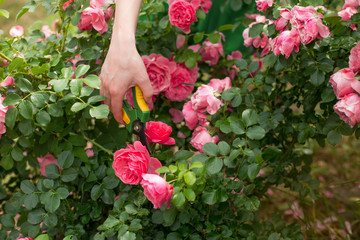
[[126, 16]]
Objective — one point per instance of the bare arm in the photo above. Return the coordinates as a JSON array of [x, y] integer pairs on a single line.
[[123, 67]]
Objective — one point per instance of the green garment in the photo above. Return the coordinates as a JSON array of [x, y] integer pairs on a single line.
[[215, 18]]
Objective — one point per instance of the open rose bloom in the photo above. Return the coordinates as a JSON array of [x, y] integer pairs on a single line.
[[159, 132], [157, 190], [182, 14], [132, 162]]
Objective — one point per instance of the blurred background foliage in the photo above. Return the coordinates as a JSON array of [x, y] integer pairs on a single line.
[[336, 167]]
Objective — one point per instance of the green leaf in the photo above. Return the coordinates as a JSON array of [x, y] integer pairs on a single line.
[[162, 169], [236, 5], [250, 117], [4, 13], [7, 162], [31, 200], [95, 99], [52, 203], [69, 237], [68, 175], [224, 148], [189, 194], [131, 209], [254, 66], [190, 62], [214, 165], [237, 127], [333, 137], [241, 63], [173, 168], [43, 237], [63, 192], [214, 37], [81, 70], [26, 109], [59, 85], [10, 117], [21, 12], [255, 133], [2, 1], [96, 192], [210, 149], [43, 118], [67, 73], [52, 171], [35, 217], [317, 78], [226, 27], [38, 100], [128, 236], [66, 159], [16, 64], [200, 14], [274, 236], [55, 110], [135, 225], [196, 165], [27, 186], [270, 59], [209, 197], [178, 199], [11, 99], [100, 112], [198, 37], [253, 171], [78, 106], [17, 154], [76, 86], [255, 30], [183, 155], [92, 81], [190, 178]]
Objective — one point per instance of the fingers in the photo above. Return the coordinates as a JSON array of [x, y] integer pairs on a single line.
[[117, 96], [104, 91], [146, 89]]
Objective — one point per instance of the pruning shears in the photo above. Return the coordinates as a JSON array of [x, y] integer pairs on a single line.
[[136, 118]]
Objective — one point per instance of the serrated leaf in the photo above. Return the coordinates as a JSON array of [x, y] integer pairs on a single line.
[[190, 178], [100, 112], [10, 117], [210, 149], [214, 165], [255, 133], [76, 86], [189, 194], [92, 81], [26, 109], [196, 165], [198, 37], [162, 169], [81, 70], [214, 38], [95, 99], [78, 106], [11, 99], [43, 118]]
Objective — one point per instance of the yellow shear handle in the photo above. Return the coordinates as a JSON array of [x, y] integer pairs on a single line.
[[140, 100]]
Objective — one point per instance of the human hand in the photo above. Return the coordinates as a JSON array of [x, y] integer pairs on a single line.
[[123, 68]]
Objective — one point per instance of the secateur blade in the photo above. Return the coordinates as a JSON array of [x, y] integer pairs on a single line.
[[139, 130]]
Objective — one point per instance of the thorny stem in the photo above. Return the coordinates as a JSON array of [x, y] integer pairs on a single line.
[[5, 57], [96, 144]]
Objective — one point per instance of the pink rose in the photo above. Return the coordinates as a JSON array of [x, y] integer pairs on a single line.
[[177, 115], [93, 17], [205, 5], [220, 85], [205, 100], [343, 81], [351, 3], [286, 42], [66, 4], [100, 3], [132, 162], [159, 132], [180, 40], [195, 47], [192, 117], [348, 109], [16, 31], [182, 14], [44, 161], [211, 52], [89, 152], [25, 238], [9, 81], [234, 55], [354, 58], [201, 136], [157, 190], [262, 5], [159, 70], [181, 83], [3, 109], [346, 13]]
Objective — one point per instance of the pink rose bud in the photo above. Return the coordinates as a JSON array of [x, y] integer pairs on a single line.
[[9, 81], [192, 117], [348, 109], [182, 14], [262, 5], [181, 135], [159, 70], [177, 115], [200, 137], [180, 84], [89, 152], [157, 190], [354, 58], [342, 81], [93, 18], [132, 162], [220, 85], [180, 40], [44, 161], [159, 132], [16, 31], [205, 100]]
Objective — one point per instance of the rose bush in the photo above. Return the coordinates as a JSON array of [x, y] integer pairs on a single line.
[[224, 128]]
